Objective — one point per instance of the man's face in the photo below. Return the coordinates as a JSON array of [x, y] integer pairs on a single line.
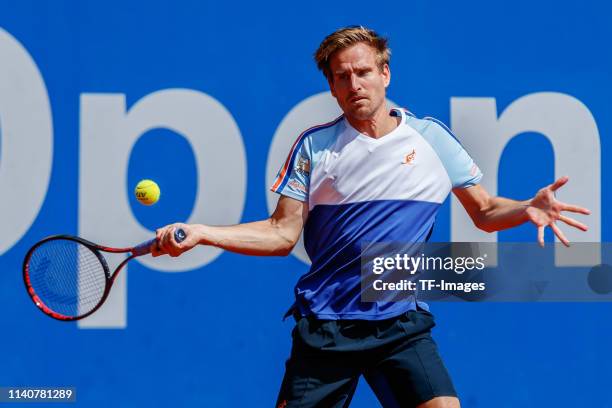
[[357, 83]]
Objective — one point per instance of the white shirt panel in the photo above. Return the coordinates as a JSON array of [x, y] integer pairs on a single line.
[[401, 165]]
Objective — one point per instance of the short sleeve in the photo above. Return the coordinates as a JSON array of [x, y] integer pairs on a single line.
[[293, 179], [461, 169]]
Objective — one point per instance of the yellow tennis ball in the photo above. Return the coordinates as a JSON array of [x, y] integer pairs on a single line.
[[147, 192]]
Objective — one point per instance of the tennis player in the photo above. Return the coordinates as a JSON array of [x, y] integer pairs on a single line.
[[372, 174]]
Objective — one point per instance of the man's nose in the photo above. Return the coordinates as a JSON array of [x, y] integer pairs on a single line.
[[355, 83]]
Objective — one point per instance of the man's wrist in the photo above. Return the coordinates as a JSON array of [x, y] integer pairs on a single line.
[[204, 236], [525, 205]]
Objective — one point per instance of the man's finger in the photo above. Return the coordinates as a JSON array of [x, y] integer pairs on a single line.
[[559, 183], [541, 236], [168, 238], [573, 223], [575, 208], [172, 239], [559, 234], [163, 242], [159, 233], [155, 250], [174, 253]]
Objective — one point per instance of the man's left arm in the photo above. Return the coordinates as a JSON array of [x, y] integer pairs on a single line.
[[498, 213]]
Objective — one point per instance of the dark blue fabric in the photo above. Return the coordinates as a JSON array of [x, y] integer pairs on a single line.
[[333, 237]]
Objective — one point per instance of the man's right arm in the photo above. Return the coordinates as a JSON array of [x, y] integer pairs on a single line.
[[275, 236]]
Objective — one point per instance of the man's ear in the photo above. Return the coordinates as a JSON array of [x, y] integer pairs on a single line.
[[386, 71]]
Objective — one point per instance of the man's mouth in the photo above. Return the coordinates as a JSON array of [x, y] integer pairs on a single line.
[[355, 99]]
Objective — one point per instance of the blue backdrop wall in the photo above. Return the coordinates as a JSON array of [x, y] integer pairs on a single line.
[[212, 335]]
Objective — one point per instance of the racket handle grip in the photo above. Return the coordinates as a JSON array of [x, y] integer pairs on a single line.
[[145, 247]]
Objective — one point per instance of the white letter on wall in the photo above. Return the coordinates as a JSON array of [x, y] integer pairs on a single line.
[[572, 132], [108, 134], [26, 141]]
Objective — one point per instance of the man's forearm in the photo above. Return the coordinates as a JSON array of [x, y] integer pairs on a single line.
[[498, 213], [501, 213], [275, 236], [263, 238]]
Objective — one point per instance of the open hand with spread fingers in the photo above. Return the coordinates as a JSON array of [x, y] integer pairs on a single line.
[[544, 210]]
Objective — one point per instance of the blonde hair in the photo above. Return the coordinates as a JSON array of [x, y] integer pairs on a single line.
[[346, 37]]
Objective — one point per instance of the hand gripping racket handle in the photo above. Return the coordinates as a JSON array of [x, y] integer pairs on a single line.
[[145, 247]]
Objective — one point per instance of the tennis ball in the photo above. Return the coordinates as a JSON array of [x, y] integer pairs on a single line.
[[147, 192]]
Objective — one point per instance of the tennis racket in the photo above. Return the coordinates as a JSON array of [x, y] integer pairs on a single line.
[[68, 278]]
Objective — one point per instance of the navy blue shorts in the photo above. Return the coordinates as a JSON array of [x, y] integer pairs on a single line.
[[397, 357]]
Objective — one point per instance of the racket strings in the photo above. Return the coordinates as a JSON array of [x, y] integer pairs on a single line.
[[67, 276]]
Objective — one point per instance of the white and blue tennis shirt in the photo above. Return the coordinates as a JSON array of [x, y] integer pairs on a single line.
[[360, 189]]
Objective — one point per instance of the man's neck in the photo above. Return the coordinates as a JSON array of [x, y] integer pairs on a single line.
[[376, 127]]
